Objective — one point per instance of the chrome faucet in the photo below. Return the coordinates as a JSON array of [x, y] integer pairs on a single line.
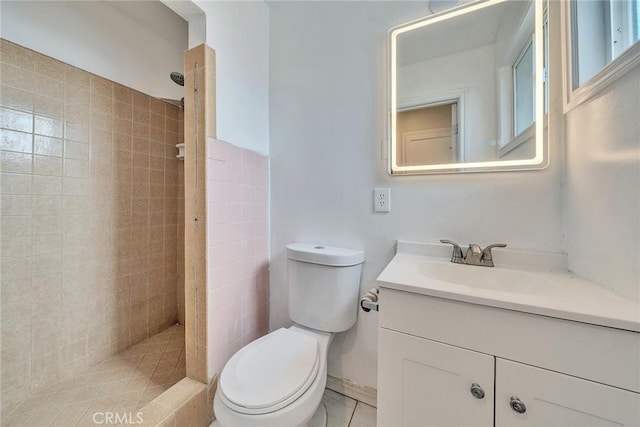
[[475, 255]]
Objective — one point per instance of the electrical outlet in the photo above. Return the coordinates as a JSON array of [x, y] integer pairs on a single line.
[[382, 199]]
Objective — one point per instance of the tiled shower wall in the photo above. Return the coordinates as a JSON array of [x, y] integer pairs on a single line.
[[90, 192], [238, 273]]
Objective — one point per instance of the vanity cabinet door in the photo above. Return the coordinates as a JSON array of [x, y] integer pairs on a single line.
[[552, 399], [427, 383]]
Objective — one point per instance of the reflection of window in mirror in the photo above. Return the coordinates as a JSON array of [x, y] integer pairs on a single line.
[[517, 90], [428, 135], [601, 31], [524, 100], [545, 56]]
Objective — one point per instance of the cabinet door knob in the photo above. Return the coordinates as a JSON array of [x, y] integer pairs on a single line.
[[517, 405], [477, 391]]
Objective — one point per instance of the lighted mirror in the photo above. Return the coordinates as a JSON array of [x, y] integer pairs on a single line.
[[467, 90]]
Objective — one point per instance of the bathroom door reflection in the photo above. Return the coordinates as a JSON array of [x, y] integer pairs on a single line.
[[428, 134]]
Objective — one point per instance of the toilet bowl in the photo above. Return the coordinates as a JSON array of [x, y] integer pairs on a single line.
[[278, 380]]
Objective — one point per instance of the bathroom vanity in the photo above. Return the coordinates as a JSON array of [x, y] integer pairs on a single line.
[[523, 343]]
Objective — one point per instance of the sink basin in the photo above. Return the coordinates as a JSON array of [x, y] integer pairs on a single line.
[[530, 282], [489, 278]]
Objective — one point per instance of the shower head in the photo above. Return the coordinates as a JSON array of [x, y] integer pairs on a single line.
[[178, 78]]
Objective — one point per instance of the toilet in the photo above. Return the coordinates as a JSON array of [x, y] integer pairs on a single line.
[[278, 379]]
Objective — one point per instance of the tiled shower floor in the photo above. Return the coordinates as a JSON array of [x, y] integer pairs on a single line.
[[122, 383]]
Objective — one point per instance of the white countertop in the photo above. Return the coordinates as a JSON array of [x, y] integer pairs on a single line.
[[570, 297]]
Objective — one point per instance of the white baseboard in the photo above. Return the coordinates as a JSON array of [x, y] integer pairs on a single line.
[[358, 392]]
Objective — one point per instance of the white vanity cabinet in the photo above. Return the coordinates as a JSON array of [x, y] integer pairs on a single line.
[[432, 351], [426, 383], [554, 399]]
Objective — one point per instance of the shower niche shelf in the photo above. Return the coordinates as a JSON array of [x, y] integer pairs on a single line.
[[180, 154]]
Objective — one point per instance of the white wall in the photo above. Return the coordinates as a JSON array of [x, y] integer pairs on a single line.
[[239, 33], [472, 72], [135, 43], [327, 130], [195, 18], [603, 187]]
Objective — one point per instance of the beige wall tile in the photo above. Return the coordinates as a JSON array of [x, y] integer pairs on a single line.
[[140, 130], [46, 165], [157, 106], [16, 98], [50, 87], [100, 86], [16, 141], [77, 131], [50, 107], [140, 145], [141, 115], [122, 94], [76, 95], [16, 77], [76, 77], [47, 146], [140, 100], [156, 162], [101, 120], [47, 126], [123, 142], [76, 150], [15, 247], [76, 168], [101, 103], [47, 184], [15, 183], [46, 205], [77, 113], [157, 121], [16, 120], [16, 55], [157, 135], [75, 186], [122, 126], [100, 168], [123, 110], [15, 162], [49, 67], [76, 177], [46, 224], [15, 204]]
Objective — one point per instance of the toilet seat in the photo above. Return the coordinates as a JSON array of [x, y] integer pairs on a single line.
[[270, 373]]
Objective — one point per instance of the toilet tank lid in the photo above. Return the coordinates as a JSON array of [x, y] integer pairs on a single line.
[[324, 255]]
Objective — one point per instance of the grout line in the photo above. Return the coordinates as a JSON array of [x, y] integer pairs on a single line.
[[354, 412]]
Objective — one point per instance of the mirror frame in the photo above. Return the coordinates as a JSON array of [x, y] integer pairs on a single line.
[[541, 159]]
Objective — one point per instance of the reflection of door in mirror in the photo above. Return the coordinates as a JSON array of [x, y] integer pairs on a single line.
[[427, 135]]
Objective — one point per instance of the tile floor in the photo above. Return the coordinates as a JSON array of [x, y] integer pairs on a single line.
[[342, 411], [122, 383]]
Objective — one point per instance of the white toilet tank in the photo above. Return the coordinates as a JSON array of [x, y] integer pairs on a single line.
[[324, 285]]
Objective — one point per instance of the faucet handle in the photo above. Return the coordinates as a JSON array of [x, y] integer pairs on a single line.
[[457, 255], [487, 256]]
